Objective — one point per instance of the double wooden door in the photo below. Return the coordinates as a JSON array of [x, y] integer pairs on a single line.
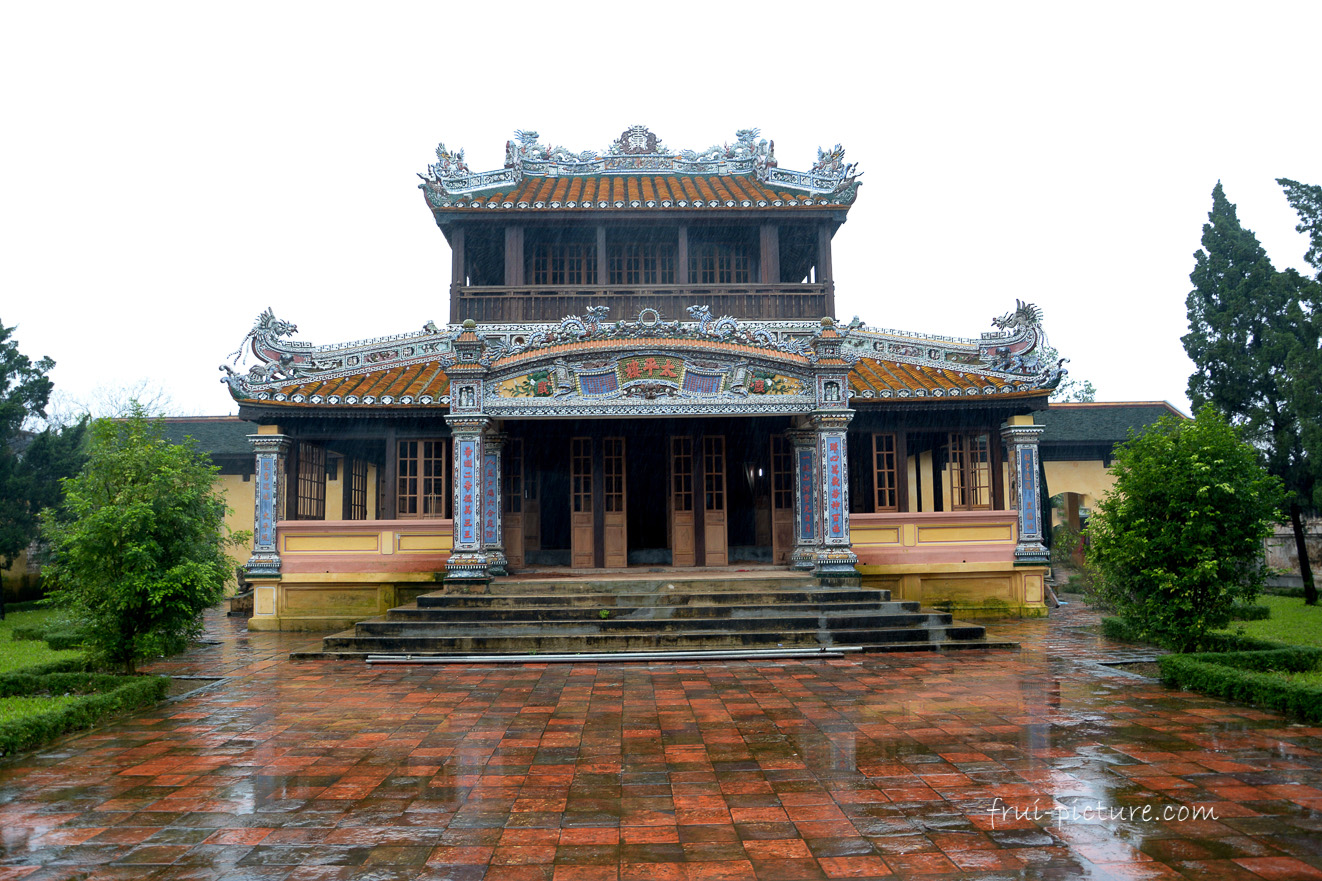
[[698, 533], [598, 503]]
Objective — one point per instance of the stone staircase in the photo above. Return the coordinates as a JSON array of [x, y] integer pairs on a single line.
[[544, 616]]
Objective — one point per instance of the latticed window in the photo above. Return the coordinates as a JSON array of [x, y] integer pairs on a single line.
[[782, 472], [357, 485], [885, 473], [564, 263], [581, 474], [311, 482], [681, 476], [970, 472], [713, 468], [641, 263], [422, 490], [512, 465], [721, 262], [612, 461]]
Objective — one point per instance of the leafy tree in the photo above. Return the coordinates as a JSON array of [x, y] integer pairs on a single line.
[[1179, 540], [1070, 390], [24, 391], [137, 552], [1306, 200], [1253, 335]]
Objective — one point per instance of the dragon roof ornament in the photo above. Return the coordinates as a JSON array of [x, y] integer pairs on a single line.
[[637, 150]]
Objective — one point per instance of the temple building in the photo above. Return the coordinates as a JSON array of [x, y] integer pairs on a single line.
[[641, 368]]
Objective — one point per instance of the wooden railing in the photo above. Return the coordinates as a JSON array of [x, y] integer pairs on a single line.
[[770, 302]]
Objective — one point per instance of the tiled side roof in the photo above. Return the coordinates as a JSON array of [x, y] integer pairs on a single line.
[[217, 435], [634, 192], [1107, 423], [424, 383], [879, 380]]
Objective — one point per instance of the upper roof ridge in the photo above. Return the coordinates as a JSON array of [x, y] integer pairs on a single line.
[[638, 151]]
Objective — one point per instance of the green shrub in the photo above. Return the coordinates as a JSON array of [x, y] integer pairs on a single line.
[[1122, 631], [1253, 677], [1179, 540], [99, 696], [1247, 612], [137, 547]]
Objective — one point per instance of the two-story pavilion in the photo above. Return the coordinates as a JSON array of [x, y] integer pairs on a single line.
[[637, 372]]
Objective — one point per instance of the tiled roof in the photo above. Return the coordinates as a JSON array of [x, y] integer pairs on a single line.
[[217, 435], [874, 379], [633, 192], [411, 384], [1108, 423]]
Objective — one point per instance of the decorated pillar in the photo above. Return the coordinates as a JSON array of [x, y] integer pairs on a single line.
[[830, 419], [467, 374], [468, 559], [493, 530], [269, 502], [1021, 437], [833, 555], [806, 534]]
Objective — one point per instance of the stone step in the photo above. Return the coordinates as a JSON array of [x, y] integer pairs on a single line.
[[684, 639], [604, 599], [566, 585], [547, 613], [736, 627], [525, 617]]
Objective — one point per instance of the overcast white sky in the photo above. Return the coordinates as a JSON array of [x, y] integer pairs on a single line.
[[172, 169]]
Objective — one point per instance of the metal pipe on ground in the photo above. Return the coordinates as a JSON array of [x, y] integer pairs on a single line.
[[721, 655]]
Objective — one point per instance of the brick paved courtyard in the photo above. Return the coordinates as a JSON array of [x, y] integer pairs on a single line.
[[878, 766]]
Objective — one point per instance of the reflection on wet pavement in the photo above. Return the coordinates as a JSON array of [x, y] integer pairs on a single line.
[[1040, 764]]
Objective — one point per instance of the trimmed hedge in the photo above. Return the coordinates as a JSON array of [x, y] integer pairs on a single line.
[[99, 696], [1247, 612], [1247, 676], [1121, 631], [58, 635]]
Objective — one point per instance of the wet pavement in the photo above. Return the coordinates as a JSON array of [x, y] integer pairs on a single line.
[[1040, 764]]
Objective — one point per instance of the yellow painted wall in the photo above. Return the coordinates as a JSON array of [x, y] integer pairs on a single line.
[[1089, 478], [240, 500]]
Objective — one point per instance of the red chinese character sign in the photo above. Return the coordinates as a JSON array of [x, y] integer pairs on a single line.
[[656, 367]]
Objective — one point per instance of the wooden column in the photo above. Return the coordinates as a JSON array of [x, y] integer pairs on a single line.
[[514, 256], [681, 259], [901, 471], [602, 268], [458, 269], [825, 274], [769, 248], [390, 498]]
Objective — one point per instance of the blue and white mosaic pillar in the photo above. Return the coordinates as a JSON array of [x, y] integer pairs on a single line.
[[806, 535], [493, 529], [269, 502], [468, 559], [1026, 492], [833, 555]]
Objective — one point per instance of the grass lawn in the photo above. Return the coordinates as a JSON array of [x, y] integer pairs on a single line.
[[16, 654], [1291, 622]]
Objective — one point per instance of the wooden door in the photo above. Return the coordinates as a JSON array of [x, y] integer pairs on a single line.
[[512, 463], [580, 503], [615, 511], [713, 512], [682, 549], [782, 499]]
